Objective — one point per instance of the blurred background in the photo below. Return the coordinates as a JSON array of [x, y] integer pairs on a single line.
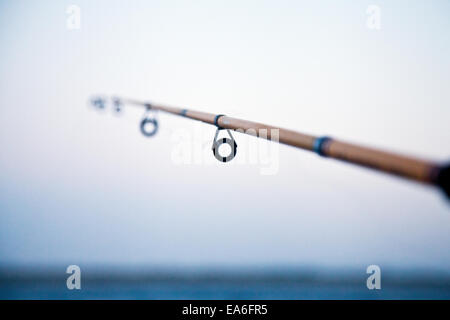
[[79, 186]]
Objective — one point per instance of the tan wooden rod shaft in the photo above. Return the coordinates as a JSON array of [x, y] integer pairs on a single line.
[[419, 170]]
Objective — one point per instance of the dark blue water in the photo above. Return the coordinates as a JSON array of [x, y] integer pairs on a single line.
[[216, 291], [17, 284]]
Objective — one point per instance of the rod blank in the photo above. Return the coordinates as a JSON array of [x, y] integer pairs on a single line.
[[414, 169]]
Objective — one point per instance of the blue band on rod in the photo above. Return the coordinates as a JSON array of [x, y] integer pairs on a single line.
[[183, 112], [216, 118], [318, 145]]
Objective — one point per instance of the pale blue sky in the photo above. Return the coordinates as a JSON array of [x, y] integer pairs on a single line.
[[78, 186]]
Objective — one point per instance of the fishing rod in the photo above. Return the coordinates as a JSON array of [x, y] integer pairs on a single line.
[[417, 170]]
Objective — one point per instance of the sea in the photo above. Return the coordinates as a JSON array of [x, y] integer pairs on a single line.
[[232, 283]]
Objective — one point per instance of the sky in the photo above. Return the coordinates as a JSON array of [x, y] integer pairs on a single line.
[[82, 186]]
